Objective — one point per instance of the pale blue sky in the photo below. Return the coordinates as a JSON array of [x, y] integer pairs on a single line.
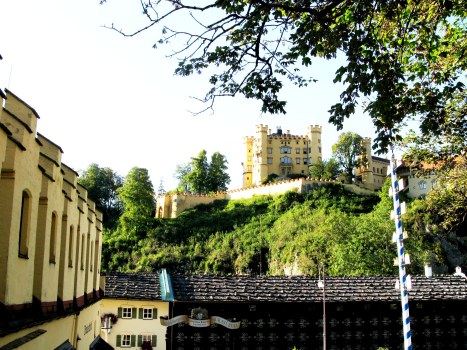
[[114, 101]]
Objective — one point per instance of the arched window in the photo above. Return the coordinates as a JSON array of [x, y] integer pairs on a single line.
[[53, 238], [70, 246], [24, 227], [82, 252], [91, 258]]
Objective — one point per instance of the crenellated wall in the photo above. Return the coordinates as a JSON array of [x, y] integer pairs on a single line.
[[171, 205], [50, 239], [280, 153]]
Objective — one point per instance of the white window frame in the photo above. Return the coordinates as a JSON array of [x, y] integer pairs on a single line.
[[126, 313], [126, 341], [147, 311]]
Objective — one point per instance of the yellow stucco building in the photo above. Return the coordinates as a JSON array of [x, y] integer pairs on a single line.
[[280, 153], [373, 174], [131, 309], [50, 241]]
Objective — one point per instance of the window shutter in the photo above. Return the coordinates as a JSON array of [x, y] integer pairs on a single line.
[[119, 312], [133, 312], [140, 340], [133, 340], [119, 340], [154, 313], [140, 311], [154, 341]]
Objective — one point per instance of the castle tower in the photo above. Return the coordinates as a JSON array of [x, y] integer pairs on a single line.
[[247, 164], [314, 146], [260, 165]]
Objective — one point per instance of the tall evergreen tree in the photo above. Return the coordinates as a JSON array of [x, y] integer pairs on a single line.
[[198, 177], [218, 178], [137, 195], [102, 185], [201, 176]]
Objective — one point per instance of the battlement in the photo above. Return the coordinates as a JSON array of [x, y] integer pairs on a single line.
[[315, 128]]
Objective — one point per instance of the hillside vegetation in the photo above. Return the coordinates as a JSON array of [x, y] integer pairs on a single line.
[[293, 232]]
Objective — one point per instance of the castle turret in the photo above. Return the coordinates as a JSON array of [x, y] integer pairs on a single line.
[[314, 146]]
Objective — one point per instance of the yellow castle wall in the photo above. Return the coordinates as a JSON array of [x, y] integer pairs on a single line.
[[44, 215]]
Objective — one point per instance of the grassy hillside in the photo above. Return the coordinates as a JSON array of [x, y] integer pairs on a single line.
[[350, 234]]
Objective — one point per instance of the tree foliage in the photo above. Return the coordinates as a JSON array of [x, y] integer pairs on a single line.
[[448, 199], [293, 232], [325, 169], [201, 176], [137, 196], [403, 59], [102, 185], [346, 152]]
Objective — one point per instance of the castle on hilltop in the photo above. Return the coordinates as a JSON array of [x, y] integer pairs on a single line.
[[284, 155], [279, 153]]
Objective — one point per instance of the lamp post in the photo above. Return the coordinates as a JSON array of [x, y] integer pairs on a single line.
[[321, 284]]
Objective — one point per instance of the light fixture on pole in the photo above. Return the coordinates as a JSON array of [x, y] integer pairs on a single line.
[[321, 284]]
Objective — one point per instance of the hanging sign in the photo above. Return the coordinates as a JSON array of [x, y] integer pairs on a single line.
[[199, 318]]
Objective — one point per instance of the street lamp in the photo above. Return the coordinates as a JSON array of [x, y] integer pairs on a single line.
[[321, 284]]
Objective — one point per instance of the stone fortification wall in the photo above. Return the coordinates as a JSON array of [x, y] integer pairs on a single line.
[[171, 205]]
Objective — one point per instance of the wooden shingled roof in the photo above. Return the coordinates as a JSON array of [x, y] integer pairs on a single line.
[[218, 288]]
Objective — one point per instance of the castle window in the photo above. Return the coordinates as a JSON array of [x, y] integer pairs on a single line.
[[82, 252], [286, 160], [305, 160], [422, 185], [92, 256], [305, 151], [70, 247], [297, 150], [269, 160], [53, 238], [297, 160], [319, 149], [25, 221], [269, 150], [286, 150]]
